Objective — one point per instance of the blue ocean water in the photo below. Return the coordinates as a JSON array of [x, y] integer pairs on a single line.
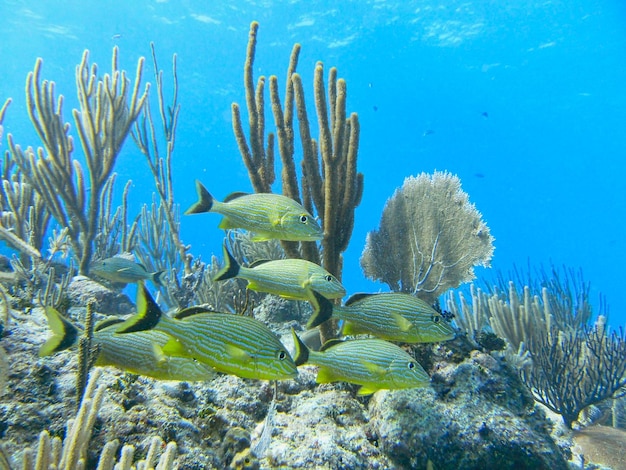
[[525, 101]]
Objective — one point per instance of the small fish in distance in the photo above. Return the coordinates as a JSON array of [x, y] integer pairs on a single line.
[[123, 270], [268, 216], [393, 316], [372, 363], [290, 278], [230, 343], [137, 353]]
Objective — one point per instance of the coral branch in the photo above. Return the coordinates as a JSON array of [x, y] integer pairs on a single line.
[[330, 184], [108, 108]]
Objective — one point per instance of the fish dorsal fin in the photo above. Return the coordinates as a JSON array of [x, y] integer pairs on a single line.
[[402, 323], [330, 343], [356, 297], [101, 325], [235, 195], [188, 312], [259, 262]]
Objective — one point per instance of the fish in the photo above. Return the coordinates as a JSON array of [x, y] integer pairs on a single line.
[[138, 353], [123, 270], [374, 364], [393, 316], [294, 279], [268, 216], [230, 343]]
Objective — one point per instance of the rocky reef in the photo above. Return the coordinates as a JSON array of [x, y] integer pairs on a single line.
[[475, 414]]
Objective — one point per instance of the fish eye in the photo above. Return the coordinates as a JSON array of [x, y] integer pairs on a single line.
[[282, 355], [304, 219], [411, 365], [436, 318], [328, 277]]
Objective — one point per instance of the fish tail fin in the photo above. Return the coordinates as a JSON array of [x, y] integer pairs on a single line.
[[148, 313], [64, 333], [302, 352], [322, 309], [230, 269], [157, 278], [205, 201]]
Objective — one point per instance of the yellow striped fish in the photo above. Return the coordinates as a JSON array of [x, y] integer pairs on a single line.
[[393, 316], [267, 215], [374, 364], [290, 278], [137, 353], [230, 343]]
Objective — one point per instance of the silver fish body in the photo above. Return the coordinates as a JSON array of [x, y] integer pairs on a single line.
[[269, 216], [123, 270]]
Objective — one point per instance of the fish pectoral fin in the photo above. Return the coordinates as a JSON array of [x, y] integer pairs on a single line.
[[374, 368], [173, 348], [367, 390], [160, 357], [350, 328], [237, 354], [275, 220], [325, 375], [402, 323]]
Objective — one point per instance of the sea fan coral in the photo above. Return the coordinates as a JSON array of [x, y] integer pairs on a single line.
[[430, 238]]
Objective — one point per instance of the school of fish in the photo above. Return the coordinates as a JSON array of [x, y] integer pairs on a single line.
[[194, 343]]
